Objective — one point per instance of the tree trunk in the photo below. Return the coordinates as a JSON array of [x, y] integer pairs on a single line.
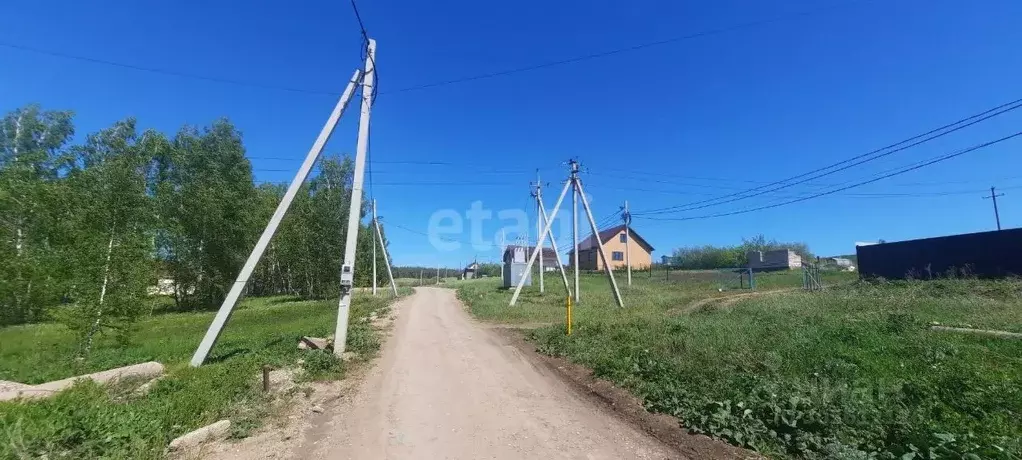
[[102, 296]]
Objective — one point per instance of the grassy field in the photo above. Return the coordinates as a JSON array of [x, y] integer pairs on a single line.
[[850, 372], [89, 421]]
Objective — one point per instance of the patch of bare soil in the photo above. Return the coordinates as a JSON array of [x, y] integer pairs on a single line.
[[664, 428], [300, 408]]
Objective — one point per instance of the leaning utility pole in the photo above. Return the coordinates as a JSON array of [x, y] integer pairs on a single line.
[[374, 250], [627, 217], [553, 244], [576, 185], [993, 196], [227, 307], [538, 195], [386, 255], [355, 208]]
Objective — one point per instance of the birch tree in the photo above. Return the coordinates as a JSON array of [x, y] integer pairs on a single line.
[[32, 146], [112, 258]]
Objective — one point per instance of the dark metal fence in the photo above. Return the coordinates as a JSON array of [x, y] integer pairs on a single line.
[[985, 255]]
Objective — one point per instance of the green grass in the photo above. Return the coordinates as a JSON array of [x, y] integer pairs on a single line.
[[850, 372], [89, 421]]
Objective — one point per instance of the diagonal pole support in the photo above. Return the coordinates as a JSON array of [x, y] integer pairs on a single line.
[[386, 257], [599, 242], [227, 307], [532, 258], [553, 243]]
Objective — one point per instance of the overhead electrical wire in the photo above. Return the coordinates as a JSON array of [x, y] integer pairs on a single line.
[[603, 54], [848, 163], [364, 33], [858, 184]]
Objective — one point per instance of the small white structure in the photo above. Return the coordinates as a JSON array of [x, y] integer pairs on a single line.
[[781, 259]]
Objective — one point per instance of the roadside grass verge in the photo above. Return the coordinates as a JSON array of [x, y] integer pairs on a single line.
[[90, 421], [850, 372]]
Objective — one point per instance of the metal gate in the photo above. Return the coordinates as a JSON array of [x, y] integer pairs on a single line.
[[811, 276]]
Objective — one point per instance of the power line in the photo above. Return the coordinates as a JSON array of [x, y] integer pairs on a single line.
[[683, 184], [858, 184], [849, 163], [157, 70], [364, 33], [603, 54]]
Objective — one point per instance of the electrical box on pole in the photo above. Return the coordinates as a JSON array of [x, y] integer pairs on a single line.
[[355, 208]]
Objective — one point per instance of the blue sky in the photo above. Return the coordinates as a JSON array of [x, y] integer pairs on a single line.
[[658, 126]]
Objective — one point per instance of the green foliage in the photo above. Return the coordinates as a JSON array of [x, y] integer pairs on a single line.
[[322, 364], [710, 257], [87, 229], [850, 372], [32, 211], [89, 421], [205, 198]]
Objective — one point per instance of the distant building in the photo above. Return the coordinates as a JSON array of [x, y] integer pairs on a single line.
[[842, 262], [471, 271], [781, 259], [640, 252], [516, 258]]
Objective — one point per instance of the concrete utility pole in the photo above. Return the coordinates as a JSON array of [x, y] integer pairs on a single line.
[[599, 243], [553, 244], [993, 196], [574, 222], [502, 249], [540, 237], [374, 250], [355, 208], [579, 191], [227, 307], [420, 276], [437, 274], [627, 217], [386, 256]]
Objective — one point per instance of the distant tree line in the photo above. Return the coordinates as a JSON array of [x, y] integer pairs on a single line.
[[712, 257], [413, 271], [88, 230]]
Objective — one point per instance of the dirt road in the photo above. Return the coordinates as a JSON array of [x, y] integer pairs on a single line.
[[446, 388]]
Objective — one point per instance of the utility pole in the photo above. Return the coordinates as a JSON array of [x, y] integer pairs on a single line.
[[576, 185], [993, 196], [574, 222], [438, 274], [538, 194], [227, 307], [355, 208], [627, 217], [502, 249], [374, 249], [386, 256], [420, 276]]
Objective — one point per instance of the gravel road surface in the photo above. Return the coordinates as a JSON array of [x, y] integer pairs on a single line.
[[446, 388]]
